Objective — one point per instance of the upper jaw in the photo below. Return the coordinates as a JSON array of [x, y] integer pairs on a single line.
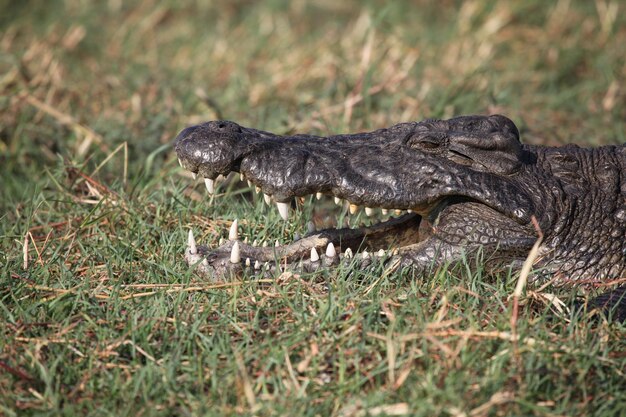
[[371, 170]]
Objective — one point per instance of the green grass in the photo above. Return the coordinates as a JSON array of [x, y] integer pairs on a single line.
[[106, 319]]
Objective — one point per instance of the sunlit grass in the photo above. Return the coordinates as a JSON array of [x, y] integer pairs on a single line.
[[102, 316]]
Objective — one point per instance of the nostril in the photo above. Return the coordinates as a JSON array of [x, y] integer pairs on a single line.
[[225, 126]]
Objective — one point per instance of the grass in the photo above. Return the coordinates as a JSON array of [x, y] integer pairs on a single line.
[[102, 317]]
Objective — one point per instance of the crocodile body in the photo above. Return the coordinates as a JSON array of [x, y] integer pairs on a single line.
[[468, 183]]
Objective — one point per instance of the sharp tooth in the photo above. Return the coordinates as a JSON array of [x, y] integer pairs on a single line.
[[276, 243], [241, 177], [257, 189], [180, 162], [220, 178], [247, 262], [318, 195], [314, 256], [210, 185], [409, 211], [245, 240], [221, 241], [235, 256], [369, 211], [193, 175], [337, 200], [330, 250], [255, 242], [365, 254], [310, 227], [249, 183], [264, 244], [267, 199], [283, 210], [348, 253], [398, 212], [191, 243], [257, 264], [395, 251], [353, 208], [385, 211], [233, 233], [380, 253]]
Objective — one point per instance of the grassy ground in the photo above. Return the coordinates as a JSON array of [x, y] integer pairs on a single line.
[[100, 316]]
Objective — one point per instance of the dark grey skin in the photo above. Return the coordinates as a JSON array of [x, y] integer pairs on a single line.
[[469, 182]]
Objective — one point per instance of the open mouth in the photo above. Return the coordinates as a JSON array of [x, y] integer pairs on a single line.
[[389, 231]]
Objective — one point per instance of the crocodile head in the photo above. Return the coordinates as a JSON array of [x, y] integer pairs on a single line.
[[462, 180], [468, 182]]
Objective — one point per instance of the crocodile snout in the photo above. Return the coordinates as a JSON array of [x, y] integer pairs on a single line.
[[211, 148]]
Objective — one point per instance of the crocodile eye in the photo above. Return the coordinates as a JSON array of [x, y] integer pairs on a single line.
[[427, 143]]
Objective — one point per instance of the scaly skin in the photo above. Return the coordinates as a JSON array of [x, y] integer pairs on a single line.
[[469, 182]]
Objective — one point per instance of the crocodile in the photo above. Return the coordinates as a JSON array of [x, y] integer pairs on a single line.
[[461, 187]]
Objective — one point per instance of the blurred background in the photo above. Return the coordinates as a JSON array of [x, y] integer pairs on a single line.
[[78, 77]]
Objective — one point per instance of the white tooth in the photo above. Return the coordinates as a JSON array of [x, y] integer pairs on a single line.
[[233, 233], [314, 256], [264, 244], [395, 252], [276, 243], [257, 189], [381, 253], [267, 199], [221, 242], [348, 253], [180, 162], [398, 212], [210, 185], [310, 227], [191, 243], [255, 242], [353, 208], [318, 195], [365, 254], [241, 177], [337, 200], [385, 211], [220, 178], [245, 240], [235, 256], [248, 262], [330, 250], [369, 211], [249, 183], [193, 175], [409, 211], [283, 210], [257, 264], [266, 265]]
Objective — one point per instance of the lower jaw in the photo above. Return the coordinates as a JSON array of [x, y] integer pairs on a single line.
[[381, 239]]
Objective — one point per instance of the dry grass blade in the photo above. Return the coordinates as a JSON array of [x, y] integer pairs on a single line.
[[65, 119]]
